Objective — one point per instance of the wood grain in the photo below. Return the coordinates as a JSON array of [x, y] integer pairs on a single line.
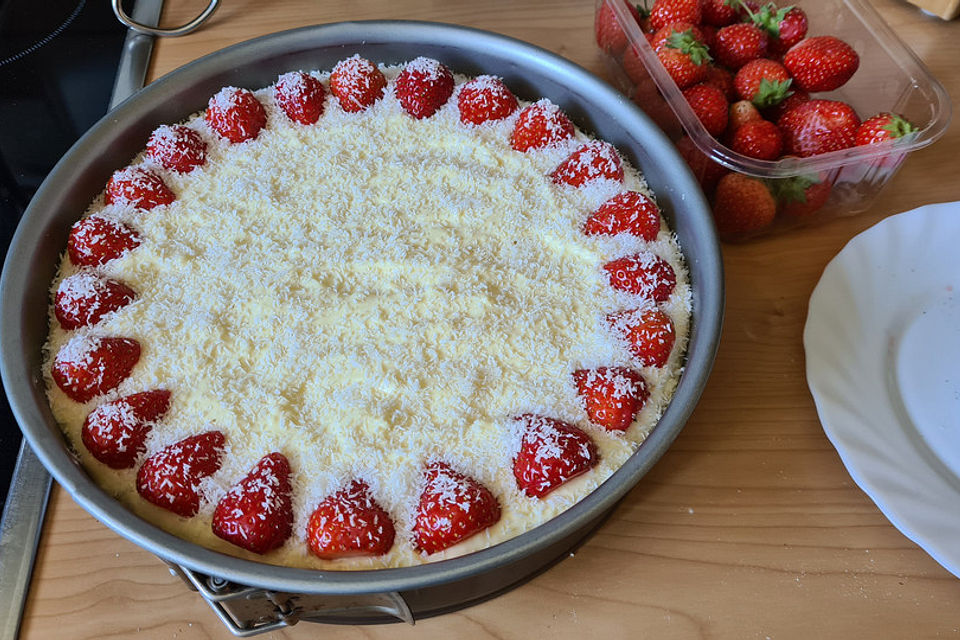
[[749, 527]]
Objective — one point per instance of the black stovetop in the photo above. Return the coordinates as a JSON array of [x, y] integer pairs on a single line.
[[58, 60]]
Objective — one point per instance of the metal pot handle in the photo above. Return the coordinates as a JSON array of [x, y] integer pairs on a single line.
[[156, 31]]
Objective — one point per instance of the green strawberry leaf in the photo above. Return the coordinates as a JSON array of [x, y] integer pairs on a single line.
[[787, 190], [770, 93], [769, 17], [687, 43], [898, 127]]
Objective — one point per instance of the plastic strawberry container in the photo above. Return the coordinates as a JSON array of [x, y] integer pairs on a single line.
[[890, 78]]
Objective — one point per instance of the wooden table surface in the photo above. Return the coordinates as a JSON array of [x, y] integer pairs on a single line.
[[749, 526]]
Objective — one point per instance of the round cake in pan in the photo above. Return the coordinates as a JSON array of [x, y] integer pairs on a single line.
[[367, 317]]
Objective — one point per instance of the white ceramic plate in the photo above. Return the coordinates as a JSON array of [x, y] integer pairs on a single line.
[[882, 343]]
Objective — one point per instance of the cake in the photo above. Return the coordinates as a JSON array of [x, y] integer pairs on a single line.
[[371, 317]]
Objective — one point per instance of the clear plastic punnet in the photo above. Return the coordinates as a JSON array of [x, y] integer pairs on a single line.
[[890, 78]]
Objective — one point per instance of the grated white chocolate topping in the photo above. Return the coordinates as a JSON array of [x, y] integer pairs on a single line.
[[366, 295]]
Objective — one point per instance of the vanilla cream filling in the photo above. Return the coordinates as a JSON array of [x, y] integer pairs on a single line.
[[365, 295]]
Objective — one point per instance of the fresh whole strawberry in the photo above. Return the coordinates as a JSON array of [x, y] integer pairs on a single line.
[[177, 148], [741, 113], [801, 196], [612, 396], [539, 126], [357, 84], [96, 240], [629, 212], [350, 523], [452, 508], [685, 59], [710, 106], [596, 160], [115, 433], [633, 66], [791, 29], [551, 453], [763, 82], [760, 139], [667, 12], [721, 79], [300, 96], [822, 63], [818, 126], [235, 114], [485, 98], [705, 170], [676, 35], [257, 512], [644, 274], [883, 127], [138, 187], [86, 367], [738, 44], [742, 205], [423, 87], [798, 96], [719, 13], [171, 477], [610, 35], [84, 298], [648, 332]]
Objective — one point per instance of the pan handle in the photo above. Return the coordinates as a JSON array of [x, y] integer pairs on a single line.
[[156, 31]]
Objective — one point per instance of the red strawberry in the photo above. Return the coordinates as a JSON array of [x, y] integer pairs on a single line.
[[791, 28], [236, 114], [718, 13], [818, 126], [628, 212], [357, 83], [551, 452], [87, 367], [801, 196], [759, 139], [685, 59], [742, 112], [115, 433], [257, 512], [644, 274], [706, 171], [763, 82], [595, 160], [612, 396], [540, 125], [96, 240], [170, 478], [667, 12], [485, 98], [350, 523], [721, 79], [676, 35], [634, 68], [798, 96], [452, 507], [300, 96], [177, 148], [742, 205], [610, 35], [137, 187], [883, 127], [738, 44], [84, 298], [423, 86], [823, 63], [649, 334], [710, 106]]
